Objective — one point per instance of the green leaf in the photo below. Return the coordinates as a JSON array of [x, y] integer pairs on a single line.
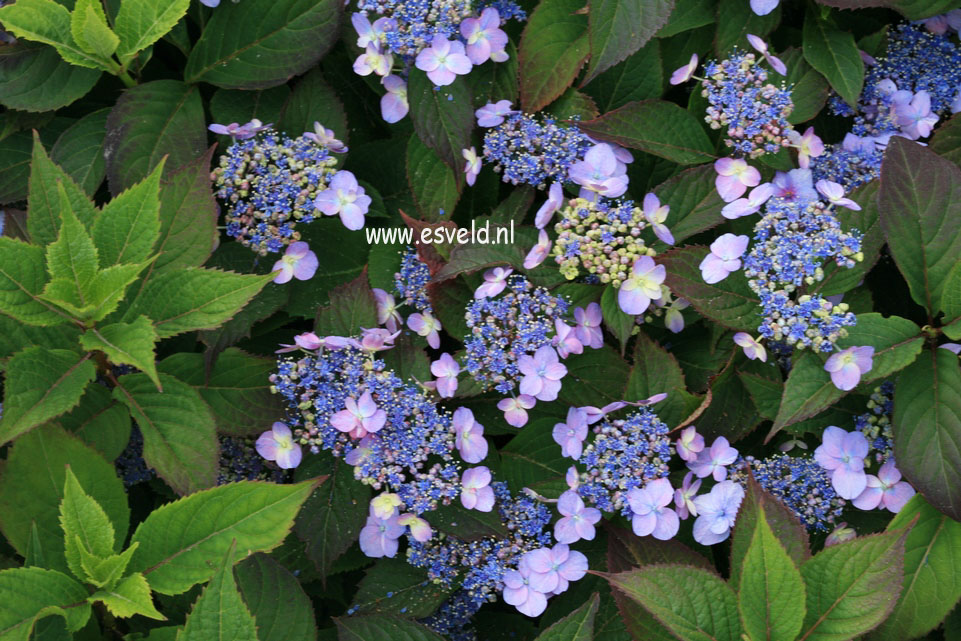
[[840, 280], [443, 118], [334, 514], [88, 25], [263, 43], [352, 306], [657, 127], [687, 15], [576, 626], [31, 489], [312, 100], [22, 278], [694, 604], [852, 586], [810, 89], [771, 592], [44, 202], [552, 50], [179, 436], [639, 77], [835, 54], [100, 421], [596, 376], [220, 614], [126, 344], [807, 391], [470, 257], [105, 572], [896, 342], [382, 628], [14, 335], [184, 300], [180, 541], [911, 9], [656, 371], [127, 229], [927, 428], [130, 597], [494, 81], [920, 198], [108, 287], [79, 151], [41, 384], [85, 525], [694, 202], [29, 594], [156, 119], [434, 186], [237, 388], [47, 22], [412, 594], [618, 28], [619, 323], [72, 257], [730, 302], [735, 20], [140, 23], [33, 77], [532, 459], [276, 600], [267, 105], [931, 586], [946, 141]]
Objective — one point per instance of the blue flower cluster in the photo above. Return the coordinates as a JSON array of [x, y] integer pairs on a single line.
[[533, 150], [802, 485], [625, 454], [505, 328], [752, 110], [875, 424], [268, 184], [796, 234], [131, 467], [410, 283]]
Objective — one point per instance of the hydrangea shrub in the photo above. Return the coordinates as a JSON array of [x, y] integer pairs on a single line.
[[471, 320]]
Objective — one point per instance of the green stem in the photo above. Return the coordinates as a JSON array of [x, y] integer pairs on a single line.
[[127, 79]]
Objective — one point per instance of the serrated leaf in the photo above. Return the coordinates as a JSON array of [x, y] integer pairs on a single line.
[[44, 201], [184, 300], [99, 421], [656, 371], [352, 306], [807, 391], [930, 587], [156, 119], [140, 23], [105, 572], [771, 592], [31, 489], [383, 628], [412, 594], [835, 54], [694, 604], [126, 344], [687, 15], [735, 20], [729, 302], [73, 256], [108, 287], [809, 90], [596, 376], [470, 257], [179, 434], [33, 77], [47, 22], [237, 388], [282, 609], [658, 127], [79, 151], [15, 334], [180, 542], [90, 31], [730, 411], [220, 614], [22, 279], [927, 428], [127, 229], [552, 49], [920, 199], [639, 77], [29, 594], [41, 384], [443, 118], [84, 524], [576, 626], [852, 586], [896, 342], [618, 28], [434, 186], [467, 525], [130, 597]]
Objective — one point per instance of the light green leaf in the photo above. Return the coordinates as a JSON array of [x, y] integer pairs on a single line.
[[126, 344], [129, 226], [180, 542], [140, 23], [695, 605], [852, 586], [22, 279], [29, 594], [179, 435], [85, 525], [576, 626], [129, 597], [383, 628], [72, 257], [44, 202], [90, 30], [105, 572], [771, 593], [835, 54], [280, 606], [931, 584], [189, 299], [48, 22], [220, 614], [41, 384], [108, 287]]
